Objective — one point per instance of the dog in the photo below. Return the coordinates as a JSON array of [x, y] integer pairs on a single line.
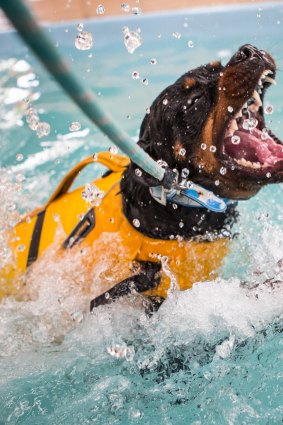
[[209, 128]]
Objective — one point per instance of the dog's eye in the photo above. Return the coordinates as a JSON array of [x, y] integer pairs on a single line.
[[193, 100]]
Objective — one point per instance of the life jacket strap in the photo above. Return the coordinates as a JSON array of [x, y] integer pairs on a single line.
[[116, 163], [82, 229], [149, 278], [35, 239]]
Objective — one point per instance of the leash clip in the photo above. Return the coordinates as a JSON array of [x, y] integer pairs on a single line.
[[189, 194]]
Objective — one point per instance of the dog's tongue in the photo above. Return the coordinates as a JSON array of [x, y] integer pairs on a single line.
[[252, 148]]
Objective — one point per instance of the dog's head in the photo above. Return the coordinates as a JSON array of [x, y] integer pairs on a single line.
[[211, 121]]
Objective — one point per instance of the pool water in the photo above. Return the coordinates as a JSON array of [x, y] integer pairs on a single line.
[[211, 355]]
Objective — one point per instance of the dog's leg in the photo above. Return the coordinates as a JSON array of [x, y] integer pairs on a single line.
[[148, 278]]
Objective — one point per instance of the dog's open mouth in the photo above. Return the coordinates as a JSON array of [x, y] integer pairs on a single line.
[[247, 143]]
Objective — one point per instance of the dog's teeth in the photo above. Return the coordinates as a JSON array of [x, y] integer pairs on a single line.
[[267, 72], [270, 80], [249, 164], [232, 128], [257, 98], [253, 107]]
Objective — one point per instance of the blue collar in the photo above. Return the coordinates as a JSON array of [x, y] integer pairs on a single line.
[[190, 195]]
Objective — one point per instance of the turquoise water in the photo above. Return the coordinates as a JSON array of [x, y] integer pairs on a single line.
[[212, 355]]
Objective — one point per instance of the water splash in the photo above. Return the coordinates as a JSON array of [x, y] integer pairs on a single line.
[[75, 126], [132, 39], [84, 40], [92, 194]]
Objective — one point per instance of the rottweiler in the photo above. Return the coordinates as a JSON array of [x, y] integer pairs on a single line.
[[209, 128]]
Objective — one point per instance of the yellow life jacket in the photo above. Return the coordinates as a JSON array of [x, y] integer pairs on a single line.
[[108, 236]]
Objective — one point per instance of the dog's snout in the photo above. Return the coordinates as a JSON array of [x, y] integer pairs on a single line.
[[247, 53]]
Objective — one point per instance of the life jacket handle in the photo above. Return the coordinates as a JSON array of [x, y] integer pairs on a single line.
[[115, 163]]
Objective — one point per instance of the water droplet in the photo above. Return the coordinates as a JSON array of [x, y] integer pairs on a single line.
[[176, 35], [246, 124], [21, 248], [84, 40], [185, 173], [92, 194], [43, 129], [212, 148], [191, 44], [135, 75], [19, 157], [182, 152], [100, 9], [268, 109], [28, 219], [264, 134], [129, 117], [75, 126], [153, 61], [125, 7], [77, 316], [112, 219], [235, 140], [107, 295], [216, 182], [136, 222], [95, 157], [145, 81], [147, 110], [134, 413], [56, 217], [174, 206], [268, 175], [136, 10], [132, 40], [90, 55], [121, 351], [165, 102], [185, 24], [20, 178], [138, 172], [113, 150], [181, 224], [250, 123], [80, 27], [223, 170], [32, 118], [203, 146], [230, 109]]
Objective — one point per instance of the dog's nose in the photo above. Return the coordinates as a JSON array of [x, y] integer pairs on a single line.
[[247, 52]]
